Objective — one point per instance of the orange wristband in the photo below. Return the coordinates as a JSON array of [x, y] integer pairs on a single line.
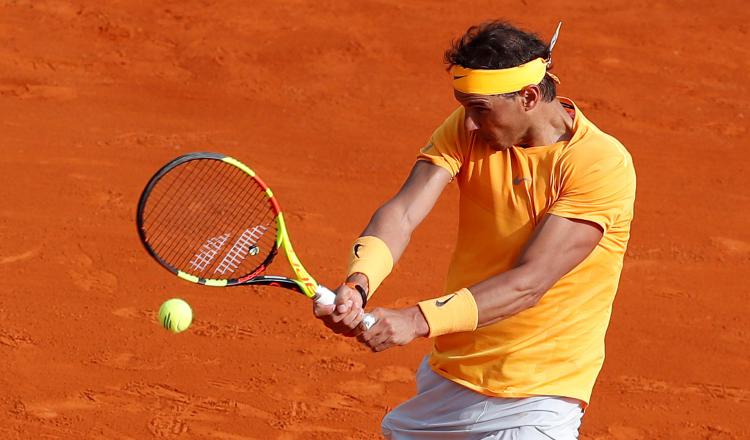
[[453, 313], [372, 258]]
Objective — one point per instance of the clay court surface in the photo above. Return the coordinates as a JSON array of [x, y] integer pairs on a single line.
[[329, 101]]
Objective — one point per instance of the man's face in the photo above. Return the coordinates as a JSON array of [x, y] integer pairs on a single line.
[[499, 121]]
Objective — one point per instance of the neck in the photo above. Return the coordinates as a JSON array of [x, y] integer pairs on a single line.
[[550, 123]]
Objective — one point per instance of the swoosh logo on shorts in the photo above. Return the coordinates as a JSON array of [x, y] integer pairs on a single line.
[[444, 302]]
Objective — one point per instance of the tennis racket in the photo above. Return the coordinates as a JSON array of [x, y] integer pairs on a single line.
[[211, 220]]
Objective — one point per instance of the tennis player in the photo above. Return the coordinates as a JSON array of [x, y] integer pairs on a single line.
[[546, 202]]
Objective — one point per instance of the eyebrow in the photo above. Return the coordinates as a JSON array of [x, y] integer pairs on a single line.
[[475, 103], [468, 99]]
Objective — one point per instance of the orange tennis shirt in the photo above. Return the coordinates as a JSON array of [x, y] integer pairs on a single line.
[[556, 347]]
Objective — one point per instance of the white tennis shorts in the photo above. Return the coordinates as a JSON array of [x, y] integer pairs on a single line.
[[444, 410]]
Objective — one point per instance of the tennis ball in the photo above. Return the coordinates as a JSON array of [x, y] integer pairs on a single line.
[[175, 315]]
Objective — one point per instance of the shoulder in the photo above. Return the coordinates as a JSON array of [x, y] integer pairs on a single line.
[[592, 147], [453, 125], [456, 116], [595, 161], [447, 145], [450, 135]]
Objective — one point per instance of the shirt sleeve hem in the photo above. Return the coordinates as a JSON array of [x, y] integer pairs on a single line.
[[597, 220], [437, 162]]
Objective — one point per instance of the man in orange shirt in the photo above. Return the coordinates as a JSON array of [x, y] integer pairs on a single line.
[[544, 219]]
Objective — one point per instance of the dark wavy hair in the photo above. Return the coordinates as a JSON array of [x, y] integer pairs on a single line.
[[498, 45]]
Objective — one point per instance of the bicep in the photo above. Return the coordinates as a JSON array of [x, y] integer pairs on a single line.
[[420, 191], [417, 195], [557, 246], [396, 219]]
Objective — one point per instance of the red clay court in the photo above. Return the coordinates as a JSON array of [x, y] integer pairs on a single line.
[[330, 101]]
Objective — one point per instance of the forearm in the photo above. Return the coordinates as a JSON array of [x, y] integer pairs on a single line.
[[391, 224], [395, 221], [482, 304], [558, 245], [393, 232], [507, 294]]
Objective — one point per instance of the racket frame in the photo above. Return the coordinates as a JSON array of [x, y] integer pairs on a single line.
[[303, 283]]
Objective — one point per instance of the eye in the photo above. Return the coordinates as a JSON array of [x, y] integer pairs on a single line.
[[480, 111]]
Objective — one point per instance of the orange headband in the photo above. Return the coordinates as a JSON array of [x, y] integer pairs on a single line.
[[499, 81]]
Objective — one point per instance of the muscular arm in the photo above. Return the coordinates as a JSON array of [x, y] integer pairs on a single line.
[[393, 223], [397, 218], [558, 245]]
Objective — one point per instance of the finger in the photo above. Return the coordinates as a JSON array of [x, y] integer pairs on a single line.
[[366, 336], [320, 310], [383, 335], [337, 317], [355, 332], [376, 328], [360, 327], [382, 347], [370, 336], [381, 342], [346, 293], [346, 317], [353, 318], [358, 330], [345, 307]]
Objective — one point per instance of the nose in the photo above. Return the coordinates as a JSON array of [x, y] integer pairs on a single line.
[[470, 124]]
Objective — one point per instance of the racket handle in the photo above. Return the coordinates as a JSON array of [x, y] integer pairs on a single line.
[[324, 296], [368, 321]]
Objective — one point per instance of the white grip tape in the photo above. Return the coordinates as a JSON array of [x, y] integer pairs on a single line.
[[368, 321], [325, 297]]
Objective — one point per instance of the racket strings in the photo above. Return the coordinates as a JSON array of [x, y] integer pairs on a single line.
[[203, 261], [254, 238], [239, 210], [243, 203], [182, 215], [171, 182], [210, 219], [173, 214], [186, 222]]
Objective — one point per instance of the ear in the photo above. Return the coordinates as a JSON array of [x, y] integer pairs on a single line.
[[531, 96]]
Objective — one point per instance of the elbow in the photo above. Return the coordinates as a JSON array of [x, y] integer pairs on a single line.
[[531, 297], [531, 286], [393, 214]]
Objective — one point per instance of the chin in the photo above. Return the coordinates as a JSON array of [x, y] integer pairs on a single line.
[[497, 146]]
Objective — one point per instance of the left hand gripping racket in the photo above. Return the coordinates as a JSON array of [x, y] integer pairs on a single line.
[[209, 219]]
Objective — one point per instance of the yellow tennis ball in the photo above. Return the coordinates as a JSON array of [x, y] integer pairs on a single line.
[[175, 315]]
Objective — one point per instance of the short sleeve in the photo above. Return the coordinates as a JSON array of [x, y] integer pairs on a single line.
[[447, 144], [597, 186]]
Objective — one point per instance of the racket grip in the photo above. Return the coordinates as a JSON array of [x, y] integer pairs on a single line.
[[324, 296]]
